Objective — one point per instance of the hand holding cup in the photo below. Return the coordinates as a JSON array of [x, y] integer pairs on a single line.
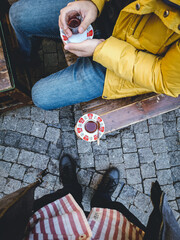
[[86, 9]]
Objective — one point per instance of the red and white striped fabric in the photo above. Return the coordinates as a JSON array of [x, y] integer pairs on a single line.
[[108, 224], [63, 219]]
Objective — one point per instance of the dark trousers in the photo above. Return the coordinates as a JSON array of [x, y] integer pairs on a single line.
[[99, 200]]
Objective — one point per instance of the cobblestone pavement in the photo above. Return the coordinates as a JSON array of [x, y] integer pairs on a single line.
[[32, 139]]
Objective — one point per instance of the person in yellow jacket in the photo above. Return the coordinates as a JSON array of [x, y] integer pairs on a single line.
[[138, 52]]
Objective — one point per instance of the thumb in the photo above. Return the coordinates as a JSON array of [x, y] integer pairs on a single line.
[[84, 24]]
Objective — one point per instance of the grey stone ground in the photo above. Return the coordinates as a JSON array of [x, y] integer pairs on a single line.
[[32, 139]]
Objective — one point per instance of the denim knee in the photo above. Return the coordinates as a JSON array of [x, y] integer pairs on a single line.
[[39, 96], [18, 16], [14, 15]]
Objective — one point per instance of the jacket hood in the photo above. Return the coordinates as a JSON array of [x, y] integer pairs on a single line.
[[174, 3]]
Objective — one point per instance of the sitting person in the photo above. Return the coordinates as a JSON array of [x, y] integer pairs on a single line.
[[136, 50], [63, 217]]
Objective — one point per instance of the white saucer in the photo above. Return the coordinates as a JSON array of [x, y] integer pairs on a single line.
[[81, 131], [77, 38]]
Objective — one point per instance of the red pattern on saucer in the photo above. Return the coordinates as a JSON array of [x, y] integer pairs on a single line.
[[89, 35], [81, 131]]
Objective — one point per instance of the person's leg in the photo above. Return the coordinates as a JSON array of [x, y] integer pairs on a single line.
[[81, 82], [76, 192], [31, 18], [67, 170], [102, 197]]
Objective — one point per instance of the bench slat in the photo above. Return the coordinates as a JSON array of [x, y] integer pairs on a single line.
[[139, 111]]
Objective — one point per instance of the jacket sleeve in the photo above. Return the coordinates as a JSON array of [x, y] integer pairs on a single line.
[[99, 4], [157, 74]]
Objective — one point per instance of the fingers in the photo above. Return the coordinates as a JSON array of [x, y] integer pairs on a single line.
[[85, 23], [63, 19], [75, 46]]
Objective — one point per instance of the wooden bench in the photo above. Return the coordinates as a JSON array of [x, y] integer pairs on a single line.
[[123, 112]]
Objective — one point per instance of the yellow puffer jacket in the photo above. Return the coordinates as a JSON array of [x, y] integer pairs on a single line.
[[143, 53]]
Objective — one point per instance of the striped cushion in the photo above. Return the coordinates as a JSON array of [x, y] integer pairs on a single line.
[[109, 224], [64, 219]]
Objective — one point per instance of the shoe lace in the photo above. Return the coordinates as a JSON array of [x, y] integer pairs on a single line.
[[66, 173], [109, 185]]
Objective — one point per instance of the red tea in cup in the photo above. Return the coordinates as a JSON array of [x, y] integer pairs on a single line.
[[90, 127], [74, 21]]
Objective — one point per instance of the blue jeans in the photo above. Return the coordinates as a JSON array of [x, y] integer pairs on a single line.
[[83, 81]]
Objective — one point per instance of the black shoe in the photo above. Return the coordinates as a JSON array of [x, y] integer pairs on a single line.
[[67, 170], [109, 182]]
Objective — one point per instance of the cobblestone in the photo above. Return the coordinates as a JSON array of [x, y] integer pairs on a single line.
[[143, 140], [11, 154], [141, 127], [155, 120], [148, 170], [11, 186], [2, 137], [164, 177], [86, 160], [113, 141], [2, 183], [2, 148], [131, 160], [128, 194], [40, 161], [142, 201], [52, 135], [129, 145], [26, 158], [40, 145], [30, 175], [67, 124], [175, 173], [101, 149], [38, 129], [54, 151], [49, 181], [84, 177], [24, 126], [101, 162], [177, 189], [170, 116], [9, 123], [51, 117], [147, 184], [172, 143], [162, 161], [12, 139], [159, 146], [174, 158], [68, 139], [17, 171], [4, 168], [26, 142], [170, 191], [53, 166], [143, 152], [169, 129], [37, 114], [156, 131], [133, 176], [116, 156], [146, 155], [84, 147]]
